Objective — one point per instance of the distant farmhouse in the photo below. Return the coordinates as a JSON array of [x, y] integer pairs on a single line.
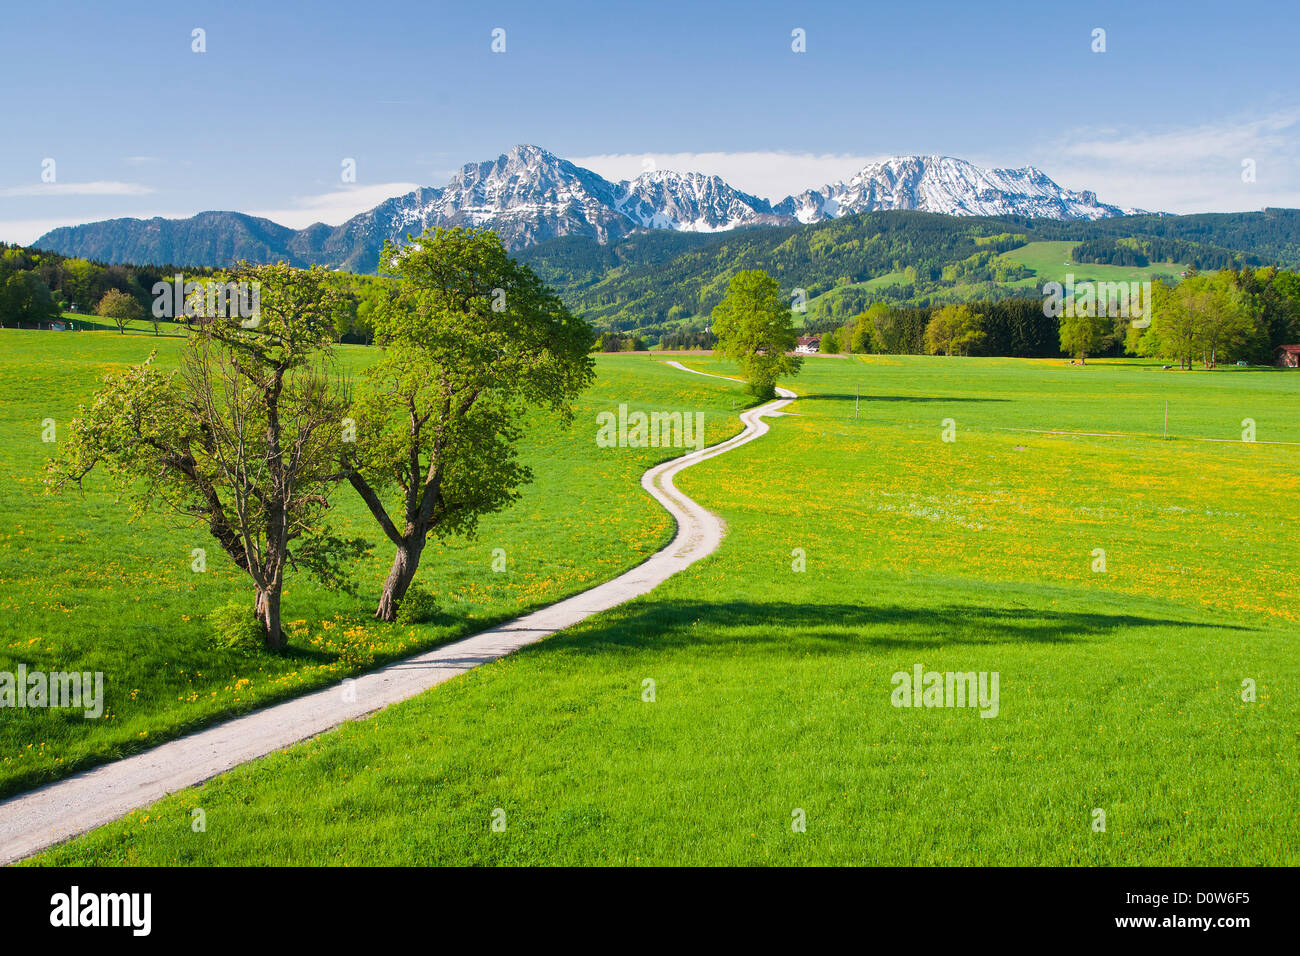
[[808, 344], [1288, 356]]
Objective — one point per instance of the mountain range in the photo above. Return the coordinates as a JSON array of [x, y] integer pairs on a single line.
[[529, 195]]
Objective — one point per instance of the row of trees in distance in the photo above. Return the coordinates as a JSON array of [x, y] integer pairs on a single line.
[[1212, 318], [37, 288]]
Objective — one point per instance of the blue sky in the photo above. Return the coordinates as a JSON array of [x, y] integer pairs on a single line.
[[139, 125]]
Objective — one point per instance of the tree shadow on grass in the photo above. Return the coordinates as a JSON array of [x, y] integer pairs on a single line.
[[302, 654], [790, 628]]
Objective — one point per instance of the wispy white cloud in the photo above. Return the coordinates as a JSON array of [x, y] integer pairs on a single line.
[[770, 174], [1185, 168], [1182, 169], [1175, 168], [102, 188], [333, 208]]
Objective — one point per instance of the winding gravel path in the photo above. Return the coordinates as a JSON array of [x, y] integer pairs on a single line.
[[59, 811]]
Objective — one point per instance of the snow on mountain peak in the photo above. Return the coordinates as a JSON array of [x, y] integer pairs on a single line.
[[945, 184], [528, 194]]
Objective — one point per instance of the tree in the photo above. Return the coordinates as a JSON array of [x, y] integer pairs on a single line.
[[1083, 333], [1280, 308], [25, 298], [84, 283], [1226, 321], [846, 337], [754, 329], [471, 339], [244, 435], [890, 334], [954, 328], [829, 343], [1205, 315], [1172, 335], [865, 340], [120, 308]]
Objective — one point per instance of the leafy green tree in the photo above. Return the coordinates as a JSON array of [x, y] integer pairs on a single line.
[[865, 341], [1172, 333], [1083, 333], [1205, 315], [245, 436], [846, 337], [755, 330], [83, 281], [888, 327], [954, 329], [1227, 323], [25, 298], [121, 309], [471, 340], [1281, 308], [830, 342]]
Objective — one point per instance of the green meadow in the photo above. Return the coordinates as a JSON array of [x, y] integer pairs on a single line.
[[85, 588], [1136, 595], [1051, 261]]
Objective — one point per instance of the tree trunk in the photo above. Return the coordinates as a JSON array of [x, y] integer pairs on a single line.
[[405, 563], [268, 612]]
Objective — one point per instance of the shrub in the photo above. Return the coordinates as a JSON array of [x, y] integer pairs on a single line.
[[418, 606], [235, 627]]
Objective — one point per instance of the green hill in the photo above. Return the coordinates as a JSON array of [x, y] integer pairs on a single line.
[[652, 282]]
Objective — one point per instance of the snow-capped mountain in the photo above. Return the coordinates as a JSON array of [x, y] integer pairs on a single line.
[[946, 185], [525, 196], [690, 202], [528, 195]]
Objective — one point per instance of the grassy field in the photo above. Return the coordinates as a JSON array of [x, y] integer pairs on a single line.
[[1051, 261], [82, 588], [81, 322], [1120, 690]]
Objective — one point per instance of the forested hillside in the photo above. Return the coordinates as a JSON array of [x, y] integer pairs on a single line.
[[651, 282], [660, 286]]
